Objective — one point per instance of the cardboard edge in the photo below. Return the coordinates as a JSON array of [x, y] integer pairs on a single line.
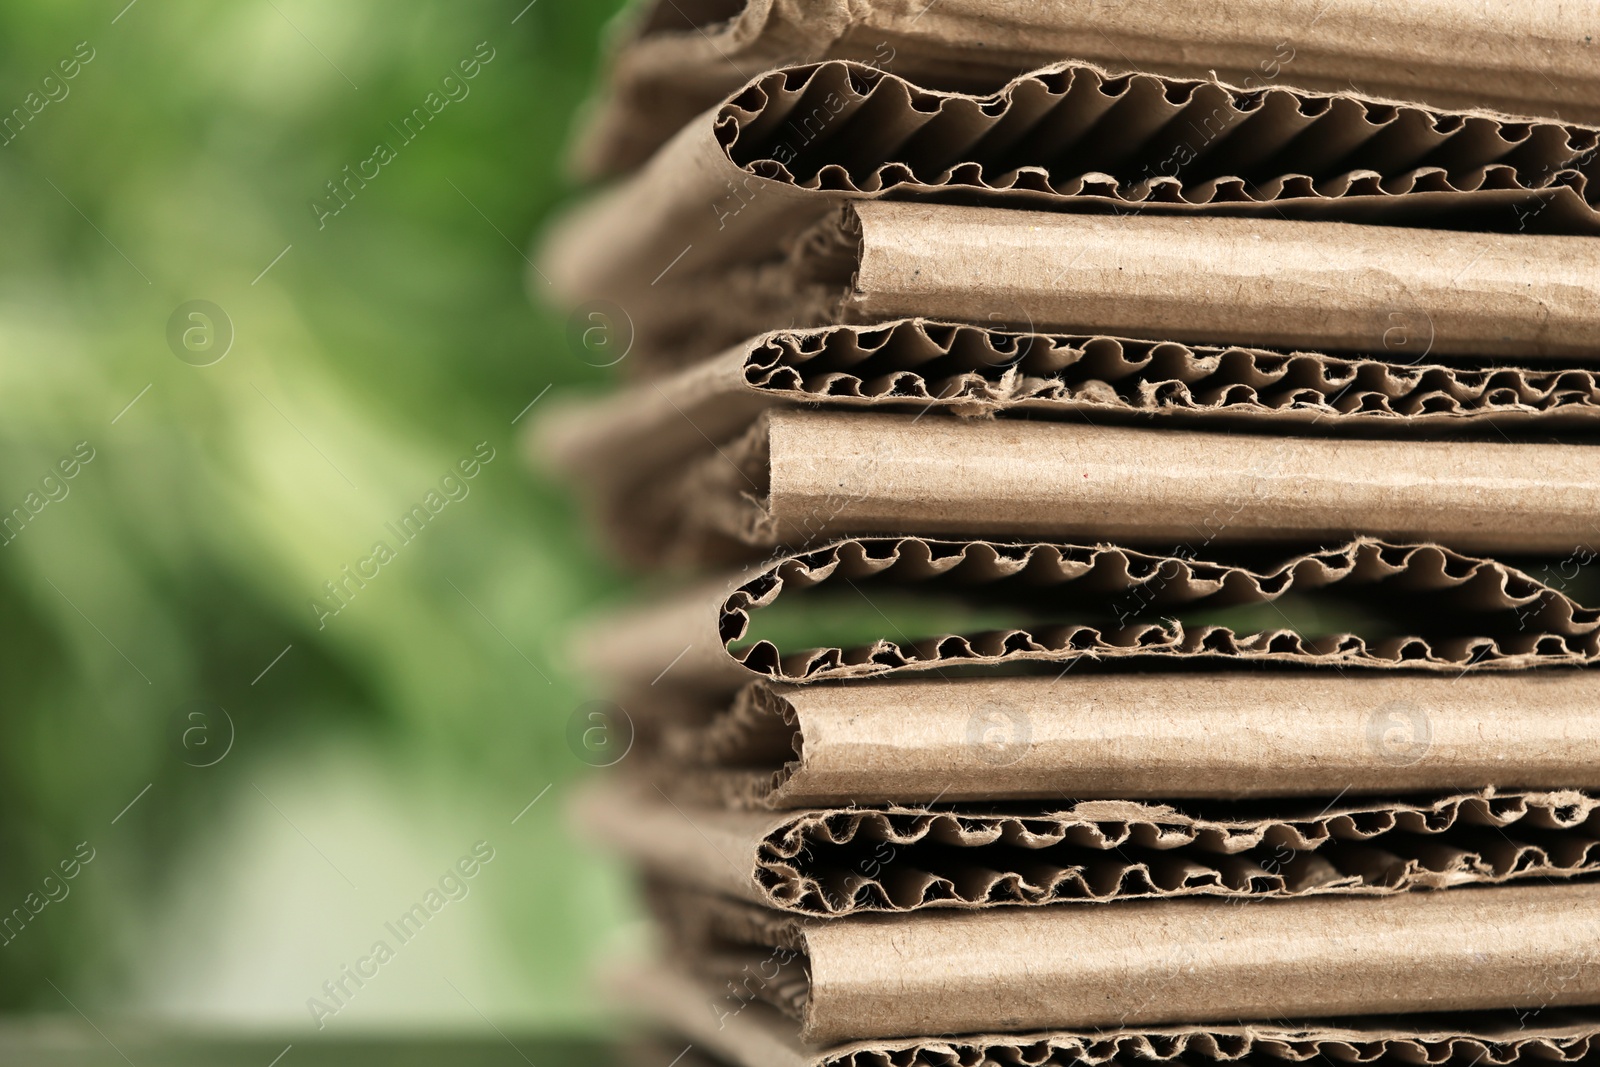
[[762, 1036]]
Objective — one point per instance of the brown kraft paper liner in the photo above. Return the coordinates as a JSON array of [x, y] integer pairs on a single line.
[[1163, 735], [797, 474], [746, 1032], [919, 365], [776, 157], [847, 861], [1155, 962], [668, 65], [1266, 282], [1464, 613]]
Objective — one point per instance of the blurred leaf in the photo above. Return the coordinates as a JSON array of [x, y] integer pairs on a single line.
[[369, 357]]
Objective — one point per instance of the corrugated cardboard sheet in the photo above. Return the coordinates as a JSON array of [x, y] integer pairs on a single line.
[[1266, 282], [1126, 866], [1153, 962], [1168, 734], [919, 365], [798, 475], [845, 861], [672, 60], [774, 157], [1427, 607], [749, 1033]]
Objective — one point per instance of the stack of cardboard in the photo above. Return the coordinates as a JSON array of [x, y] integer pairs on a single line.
[[1142, 474]]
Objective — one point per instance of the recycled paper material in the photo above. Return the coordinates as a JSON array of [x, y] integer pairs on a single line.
[[672, 60], [1411, 293], [1156, 962], [800, 475], [1158, 735], [1286, 283], [1444, 612], [922, 366], [844, 861], [624, 452], [778, 155], [747, 1032]]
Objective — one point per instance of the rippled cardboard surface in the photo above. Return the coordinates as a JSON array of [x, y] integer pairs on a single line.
[[669, 464], [920, 365], [744, 179], [847, 861], [1449, 613], [671, 61]]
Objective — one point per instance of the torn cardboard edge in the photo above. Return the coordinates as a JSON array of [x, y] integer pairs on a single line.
[[747, 1032], [772, 160], [797, 475], [1467, 613], [1167, 735], [1409, 294], [897, 859], [920, 365], [666, 66], [1149, 962]]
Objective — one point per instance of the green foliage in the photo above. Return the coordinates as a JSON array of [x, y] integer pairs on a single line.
[[370, 358]]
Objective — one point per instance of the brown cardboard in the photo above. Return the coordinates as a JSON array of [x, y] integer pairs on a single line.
[[1163, 735], [920, 365], [618, 451], [797, 474], [1100, 603], [1411, 293], [1278, 282], [1158, 962], [834, 862], [671, 60], [747, 1032], [778, 155]]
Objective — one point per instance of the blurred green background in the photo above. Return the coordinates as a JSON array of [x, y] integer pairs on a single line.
[[175, 573]]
